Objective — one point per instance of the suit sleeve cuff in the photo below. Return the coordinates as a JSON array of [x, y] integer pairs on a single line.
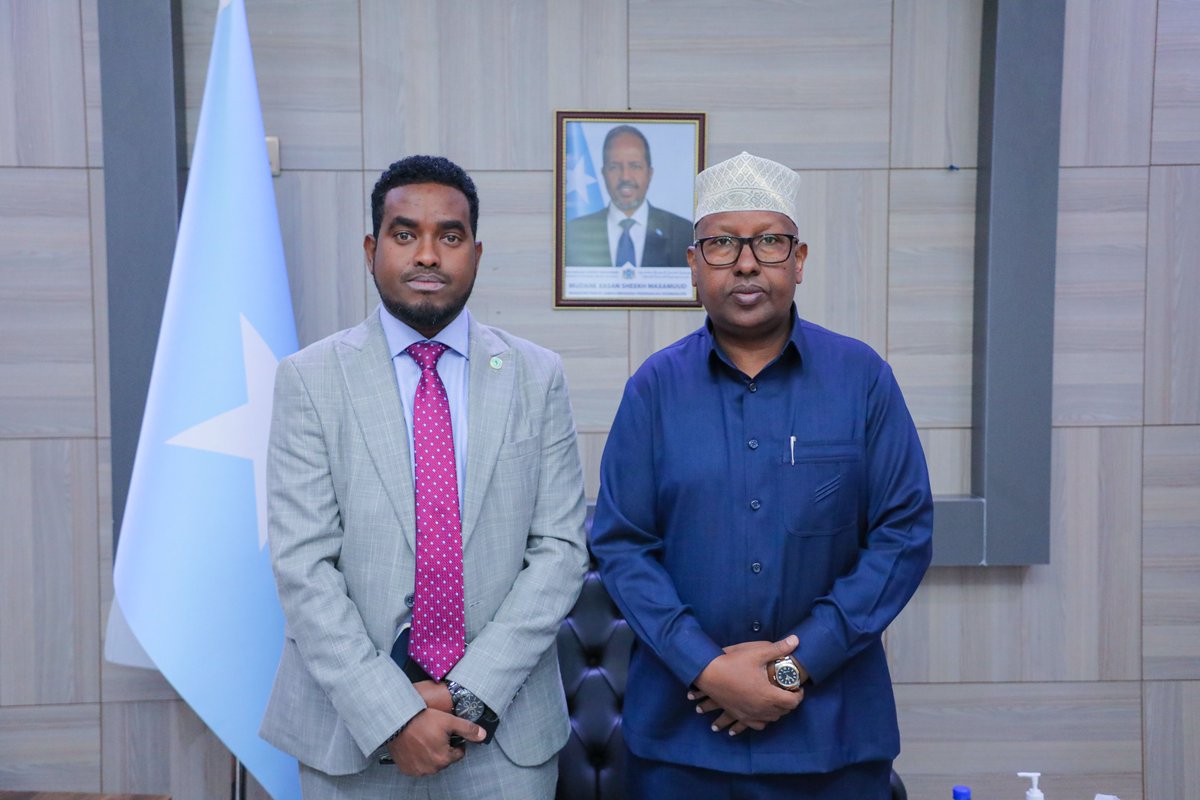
[[819, 651]]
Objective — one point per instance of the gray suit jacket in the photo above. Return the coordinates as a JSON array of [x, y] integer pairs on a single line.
[[342, 535]]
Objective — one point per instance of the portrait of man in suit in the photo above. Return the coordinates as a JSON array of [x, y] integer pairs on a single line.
[[629, 231], [426, 527]]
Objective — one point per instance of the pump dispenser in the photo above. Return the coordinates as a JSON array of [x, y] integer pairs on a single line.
[[1033, 793]]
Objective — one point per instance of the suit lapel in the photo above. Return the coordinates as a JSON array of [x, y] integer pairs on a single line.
[[371, 383], [489, 398], [654, 251]]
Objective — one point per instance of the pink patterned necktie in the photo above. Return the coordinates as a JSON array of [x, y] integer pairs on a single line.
[[438, 628]]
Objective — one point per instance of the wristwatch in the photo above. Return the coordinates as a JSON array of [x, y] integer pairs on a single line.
[[786, 673], [469, 707]]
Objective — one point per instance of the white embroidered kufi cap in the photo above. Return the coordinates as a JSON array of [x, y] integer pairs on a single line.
[[747, 183]]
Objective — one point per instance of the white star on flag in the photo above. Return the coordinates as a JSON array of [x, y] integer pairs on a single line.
[[580, 179], [245, 430]]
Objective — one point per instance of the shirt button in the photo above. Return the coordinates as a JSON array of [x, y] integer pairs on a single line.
[[408, 600], [753, 387], [756, 567], [756, 626], [752, 444], [754, 504]]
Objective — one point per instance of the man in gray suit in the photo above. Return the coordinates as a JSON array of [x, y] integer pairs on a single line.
[[356, 512], [629, 230]]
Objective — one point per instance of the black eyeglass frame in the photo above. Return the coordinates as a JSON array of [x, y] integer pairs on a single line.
[[742, 242]]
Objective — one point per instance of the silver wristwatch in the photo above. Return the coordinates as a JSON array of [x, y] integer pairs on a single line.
[[466, 705]]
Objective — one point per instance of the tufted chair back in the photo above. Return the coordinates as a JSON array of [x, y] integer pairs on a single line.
[[594, 643]]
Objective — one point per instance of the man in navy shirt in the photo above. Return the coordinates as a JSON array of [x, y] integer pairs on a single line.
[[764, 514]]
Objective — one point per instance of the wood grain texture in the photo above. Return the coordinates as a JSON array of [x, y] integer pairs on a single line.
[[1172, 745], [844, 219], [1100, 296], [931, 258], [320, 217], [1176, 121], [588, 56], [99, 255], [651, 331], [515, 291], [47, 378], [1075, 619], [162, 748], [41, 85], [806, 83], [460, 79], [93, 116], [1171, 553], [1108, 77], [935, 82], [48, 576], [306, 59], [1083, 737], [948, 454], [1172, 297], [50, 748]]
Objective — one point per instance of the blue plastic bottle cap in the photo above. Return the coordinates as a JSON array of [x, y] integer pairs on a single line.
[[962, 793]]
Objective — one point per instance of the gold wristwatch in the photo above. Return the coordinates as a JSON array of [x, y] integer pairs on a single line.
[[786, 673]]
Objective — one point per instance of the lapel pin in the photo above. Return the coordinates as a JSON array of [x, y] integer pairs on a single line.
[[496, 362]]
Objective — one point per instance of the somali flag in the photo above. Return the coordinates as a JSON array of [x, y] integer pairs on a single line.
[[582, 187], [193, 573]]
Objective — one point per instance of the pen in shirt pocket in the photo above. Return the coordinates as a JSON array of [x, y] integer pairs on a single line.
[[793, 448]]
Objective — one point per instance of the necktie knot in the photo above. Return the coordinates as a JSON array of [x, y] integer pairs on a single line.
[[426, 354], [626, 224]]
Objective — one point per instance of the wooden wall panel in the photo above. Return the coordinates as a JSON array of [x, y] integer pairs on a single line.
[[935, 82], [1077, 618], [1172, 297], [96, 217], [588, 57], [1176, 121], [47, 382], [48, 576], [50, 748], [651, 331], [515, 291], [931, 255], [1084, 737], [320, 217], [1100, 296], [162, 748], [90, 33], [805, 83], [1172, 745], [1171, 553], [591, 448], [306, 58], [41, 85], [844, 219], [948, 454], [1108, 76], [460, 79]]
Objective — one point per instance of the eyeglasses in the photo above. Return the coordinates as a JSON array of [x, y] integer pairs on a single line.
[[768, 248]]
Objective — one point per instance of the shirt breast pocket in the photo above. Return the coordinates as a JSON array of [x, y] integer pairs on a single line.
[[821, 487]]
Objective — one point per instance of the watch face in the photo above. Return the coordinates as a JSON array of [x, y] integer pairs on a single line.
[[786, 674], [467, 706]]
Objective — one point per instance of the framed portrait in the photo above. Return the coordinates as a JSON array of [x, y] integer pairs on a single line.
[[624, 184]]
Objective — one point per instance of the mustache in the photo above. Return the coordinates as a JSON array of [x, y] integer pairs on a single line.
[[627, 185], [748, 287]]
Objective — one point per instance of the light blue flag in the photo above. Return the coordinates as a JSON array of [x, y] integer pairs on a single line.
[[193, 573], [582, 187]]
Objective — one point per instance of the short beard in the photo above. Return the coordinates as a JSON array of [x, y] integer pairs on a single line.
[[424, 316]]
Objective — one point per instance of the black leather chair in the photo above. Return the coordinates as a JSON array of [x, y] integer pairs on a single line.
[[593, 650]]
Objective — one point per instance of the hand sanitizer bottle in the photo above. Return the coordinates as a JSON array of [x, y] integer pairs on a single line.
[[1033, 793]]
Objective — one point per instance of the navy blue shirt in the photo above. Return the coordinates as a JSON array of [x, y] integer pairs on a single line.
[[736, 509]]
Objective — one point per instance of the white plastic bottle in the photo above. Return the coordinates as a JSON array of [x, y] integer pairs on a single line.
[[1032, 793]]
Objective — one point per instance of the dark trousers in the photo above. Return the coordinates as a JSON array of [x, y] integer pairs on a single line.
[[659, 780]]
